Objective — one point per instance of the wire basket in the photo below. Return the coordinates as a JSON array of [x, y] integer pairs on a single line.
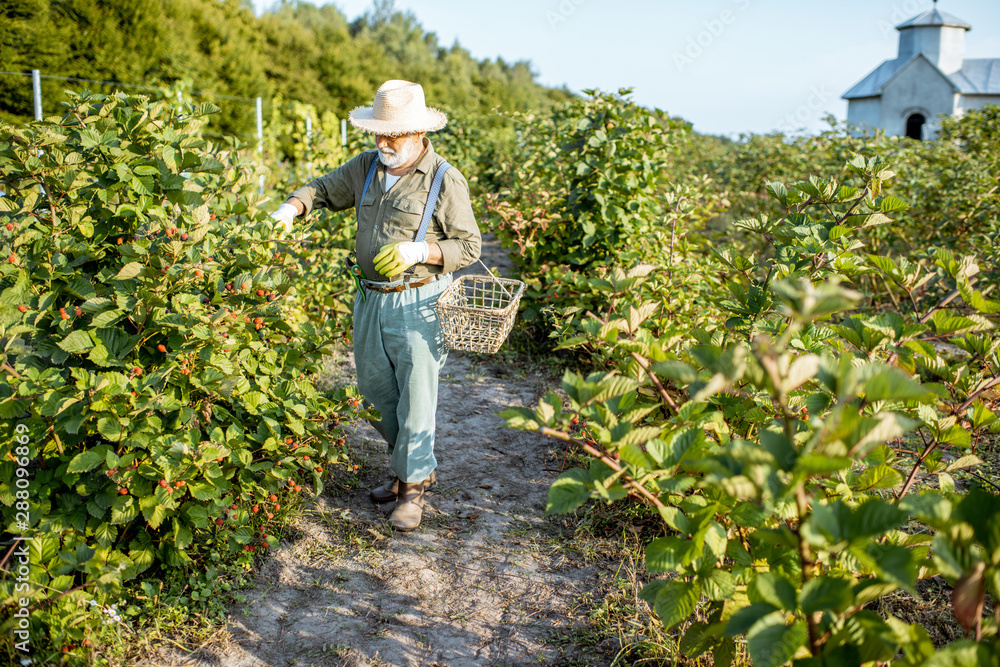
[[478, 312]]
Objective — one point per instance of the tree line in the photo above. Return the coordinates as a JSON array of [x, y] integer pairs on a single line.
[[296, 50]]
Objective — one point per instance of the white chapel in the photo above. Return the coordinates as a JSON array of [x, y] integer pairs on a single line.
[[929, 77]]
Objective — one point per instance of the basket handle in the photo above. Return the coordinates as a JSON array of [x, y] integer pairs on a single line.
[[499, 284]]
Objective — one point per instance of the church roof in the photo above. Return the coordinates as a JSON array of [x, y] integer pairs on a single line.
[[932, 17], [980, 76]]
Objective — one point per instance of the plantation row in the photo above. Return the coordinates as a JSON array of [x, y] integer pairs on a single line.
[[803, 394], [786, 348]]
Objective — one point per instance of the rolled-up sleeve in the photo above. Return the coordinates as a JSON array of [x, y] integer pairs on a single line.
[[338, 189], [460, 239]]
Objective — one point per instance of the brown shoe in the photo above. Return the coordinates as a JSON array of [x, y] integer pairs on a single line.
[[409, 507], [387, 492]]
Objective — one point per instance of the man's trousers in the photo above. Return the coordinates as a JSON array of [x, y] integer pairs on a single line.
[[399, 351]]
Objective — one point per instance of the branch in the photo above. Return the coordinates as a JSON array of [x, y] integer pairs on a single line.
[[916, 466], [629, 483], [644, 365]]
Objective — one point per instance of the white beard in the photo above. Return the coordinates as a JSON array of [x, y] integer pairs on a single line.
[[396, 159]]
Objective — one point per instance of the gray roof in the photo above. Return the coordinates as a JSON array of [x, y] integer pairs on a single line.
[[932, 17], [977, 77], [980, 76]]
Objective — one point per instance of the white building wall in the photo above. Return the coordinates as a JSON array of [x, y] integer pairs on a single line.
[[973, 102], [918, 88], [865, 112], [943, 46]]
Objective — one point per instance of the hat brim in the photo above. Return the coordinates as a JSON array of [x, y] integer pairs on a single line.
[[363, 118]]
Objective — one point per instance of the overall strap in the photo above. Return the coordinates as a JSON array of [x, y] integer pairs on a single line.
[[431, 201], [368, 181]]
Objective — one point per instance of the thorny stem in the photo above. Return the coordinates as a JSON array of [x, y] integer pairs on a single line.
[[644, 365], [808, 566], [629, 483], [916, 466]]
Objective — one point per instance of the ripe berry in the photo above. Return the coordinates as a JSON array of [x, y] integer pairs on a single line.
[[161, 347], [22, 308], [305, 458], [219, 522], [78, 311], [277, 507], [258, 320], [246, 318], [264, 545], [12, 259], [184, 237], [255, 509], [297, 488], [137, 370], [62, 314], [246, 285], [163, 482], [273, 498], [289, 441], [270, 515], [260, 292], [219, 459], [319, 469], [233, 506], [10, 227], [199, 273], [211, 216], [170, 490], [123, 491], [120, 240]]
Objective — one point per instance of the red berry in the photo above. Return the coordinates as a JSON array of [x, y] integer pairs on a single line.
[[12, 259], [305, 458], [163, 482], [255, 509], [211, 216], [270, 516], [10, 227], [137, 370], [22, 308], [277, 507], [199, 273], [273, 498], [246, 285], [123, 491], [184, 237], [78, 311], [233, 506], [297, 488], [170, 490], [62, 314], [161, 347], [219, 522]]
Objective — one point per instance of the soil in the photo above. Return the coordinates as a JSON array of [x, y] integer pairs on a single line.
[[485, 580]]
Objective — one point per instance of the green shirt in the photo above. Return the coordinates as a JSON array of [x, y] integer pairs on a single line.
[[391, 217]]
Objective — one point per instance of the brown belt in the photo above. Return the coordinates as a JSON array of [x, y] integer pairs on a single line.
[[404, 286]]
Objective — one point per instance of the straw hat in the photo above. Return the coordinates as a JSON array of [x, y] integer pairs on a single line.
[[399, 108]]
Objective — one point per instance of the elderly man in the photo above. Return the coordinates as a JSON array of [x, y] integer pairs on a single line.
[[415, 226]]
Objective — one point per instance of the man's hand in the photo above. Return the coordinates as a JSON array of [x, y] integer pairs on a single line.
[[395, 258], [285, 214]]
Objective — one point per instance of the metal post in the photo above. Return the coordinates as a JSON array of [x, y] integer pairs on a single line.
[[343, 132], [309, 134], [36, 84], [260, 137]]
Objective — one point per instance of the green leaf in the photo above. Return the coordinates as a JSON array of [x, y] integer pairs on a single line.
[[674, 601], [773, 589], [665, 554], [878, 477], [771, 643], [886, 383], [825, 593], [718, 585], [873, 517], [88, 460], [570, 490], [77, 342], [130, 270]]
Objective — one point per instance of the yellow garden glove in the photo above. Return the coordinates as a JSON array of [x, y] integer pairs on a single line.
[[283, 218], [395, 258]]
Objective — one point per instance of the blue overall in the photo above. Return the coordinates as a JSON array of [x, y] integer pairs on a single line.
[[399, 350]]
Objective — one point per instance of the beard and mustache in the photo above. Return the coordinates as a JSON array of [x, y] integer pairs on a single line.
[[394, 159]]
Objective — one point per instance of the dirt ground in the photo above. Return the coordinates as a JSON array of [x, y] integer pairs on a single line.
[[485, 580]]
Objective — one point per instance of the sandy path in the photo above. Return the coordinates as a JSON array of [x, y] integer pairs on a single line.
[[485, 580]]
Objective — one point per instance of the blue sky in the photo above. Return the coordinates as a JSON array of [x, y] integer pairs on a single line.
[[728, 66]]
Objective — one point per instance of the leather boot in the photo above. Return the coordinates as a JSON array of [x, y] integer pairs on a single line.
[[387, 492], [409, 507]]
